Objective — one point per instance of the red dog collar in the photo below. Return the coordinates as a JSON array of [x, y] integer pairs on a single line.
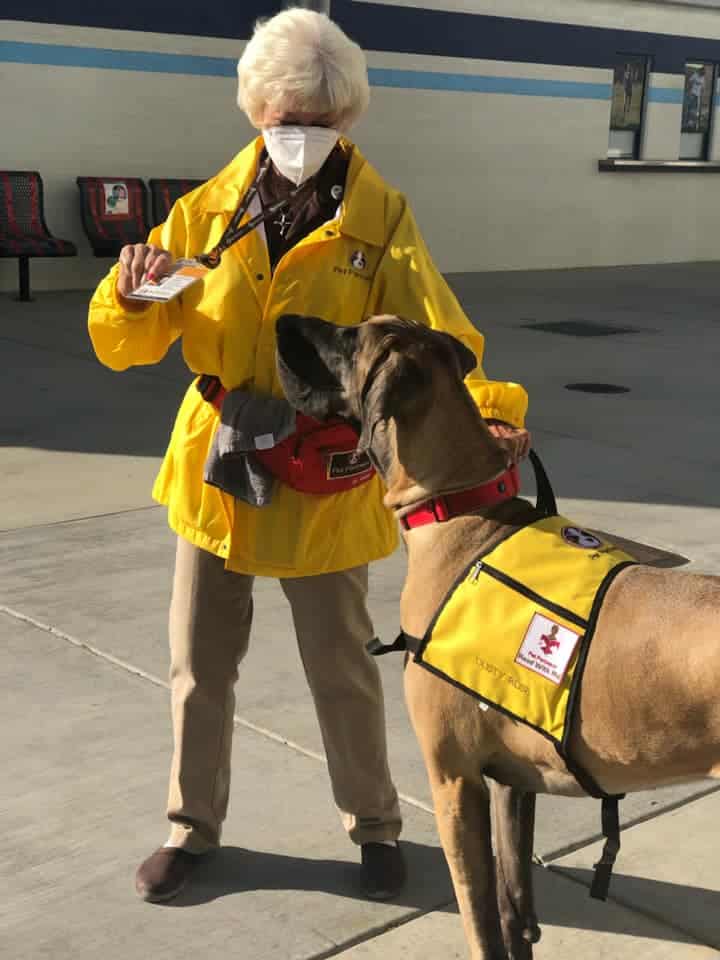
[[441, 509]]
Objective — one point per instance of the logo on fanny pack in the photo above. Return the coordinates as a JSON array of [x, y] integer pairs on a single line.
[[349, 463]]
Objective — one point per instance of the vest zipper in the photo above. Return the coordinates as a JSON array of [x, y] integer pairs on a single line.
[[481, 567]]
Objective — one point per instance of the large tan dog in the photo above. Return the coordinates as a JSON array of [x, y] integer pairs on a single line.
[[649, 712]]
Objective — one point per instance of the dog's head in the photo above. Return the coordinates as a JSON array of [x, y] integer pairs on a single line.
[[382, 369]]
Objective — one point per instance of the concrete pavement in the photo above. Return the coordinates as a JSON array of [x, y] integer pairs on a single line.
[[85, 568]]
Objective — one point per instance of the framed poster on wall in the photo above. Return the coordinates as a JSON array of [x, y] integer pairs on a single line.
[[697, 97], [628, 94]]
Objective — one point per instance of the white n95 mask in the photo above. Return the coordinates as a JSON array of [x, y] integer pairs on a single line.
[[299, 152]]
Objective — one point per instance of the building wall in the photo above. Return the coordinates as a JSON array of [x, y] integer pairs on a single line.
[[493, 126]]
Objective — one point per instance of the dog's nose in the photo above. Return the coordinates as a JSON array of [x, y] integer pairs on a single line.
[[288, 324], [297, 322], [291, 334], [296, 325], [304, 348], [295, 331]]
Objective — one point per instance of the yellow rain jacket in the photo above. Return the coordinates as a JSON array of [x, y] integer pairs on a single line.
[[227, 324]]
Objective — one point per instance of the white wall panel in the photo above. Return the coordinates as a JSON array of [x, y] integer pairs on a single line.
[[662, 120]]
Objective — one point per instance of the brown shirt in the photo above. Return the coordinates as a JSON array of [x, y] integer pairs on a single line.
[[289, 226]]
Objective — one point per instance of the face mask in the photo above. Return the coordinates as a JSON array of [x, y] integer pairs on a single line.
[[299, 152]]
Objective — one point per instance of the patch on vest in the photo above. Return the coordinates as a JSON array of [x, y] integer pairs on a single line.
[[351, 463], [581, 538], [547, 648]]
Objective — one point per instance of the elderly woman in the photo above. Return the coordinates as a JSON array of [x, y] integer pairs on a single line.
[[343, 246]]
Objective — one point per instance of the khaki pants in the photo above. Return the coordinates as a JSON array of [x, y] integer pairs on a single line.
[[210, 619]]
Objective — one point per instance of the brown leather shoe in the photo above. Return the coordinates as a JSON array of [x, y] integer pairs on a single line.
[[163, 875], [383, 870]]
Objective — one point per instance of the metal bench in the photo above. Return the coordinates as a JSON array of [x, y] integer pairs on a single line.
[[164, 193], [114, 212], [23, 231]]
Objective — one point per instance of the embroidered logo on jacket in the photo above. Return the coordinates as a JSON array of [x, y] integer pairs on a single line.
[[358, 260]]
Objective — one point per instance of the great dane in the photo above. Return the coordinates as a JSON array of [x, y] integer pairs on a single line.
[[649, 713]]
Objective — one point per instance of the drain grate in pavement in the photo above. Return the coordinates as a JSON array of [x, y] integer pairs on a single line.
[[597, 387], [576, 328]]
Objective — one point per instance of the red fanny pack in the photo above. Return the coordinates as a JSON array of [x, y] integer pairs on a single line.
[[318, 458]]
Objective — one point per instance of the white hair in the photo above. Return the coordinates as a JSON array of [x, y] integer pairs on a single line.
[[300, 61]]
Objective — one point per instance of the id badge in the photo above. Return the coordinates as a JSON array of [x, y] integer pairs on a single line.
[[184, 274]]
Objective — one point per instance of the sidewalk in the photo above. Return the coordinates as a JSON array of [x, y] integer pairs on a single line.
[[85, 568]]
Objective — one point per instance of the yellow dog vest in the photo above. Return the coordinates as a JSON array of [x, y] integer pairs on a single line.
[[515, 632], [515, 629]]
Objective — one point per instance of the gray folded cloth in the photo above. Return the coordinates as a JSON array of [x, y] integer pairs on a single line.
[[248, 422]]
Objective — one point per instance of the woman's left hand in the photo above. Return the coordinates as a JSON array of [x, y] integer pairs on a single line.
[[516, 440]]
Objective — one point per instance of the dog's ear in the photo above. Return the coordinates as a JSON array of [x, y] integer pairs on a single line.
[[465, 357], [396, 387]]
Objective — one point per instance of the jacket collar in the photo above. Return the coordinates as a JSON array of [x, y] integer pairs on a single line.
[[362, 212]]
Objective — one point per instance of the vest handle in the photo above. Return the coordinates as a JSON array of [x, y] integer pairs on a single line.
[[546, 502]]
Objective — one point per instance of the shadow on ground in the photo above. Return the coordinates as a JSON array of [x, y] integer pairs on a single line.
[[235, 870], [654, 898]]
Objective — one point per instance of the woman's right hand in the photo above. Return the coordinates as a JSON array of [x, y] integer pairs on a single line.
[[139, 262]]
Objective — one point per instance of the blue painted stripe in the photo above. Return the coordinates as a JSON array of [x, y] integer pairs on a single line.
[[665, 95], [472, 83], [57, 55]]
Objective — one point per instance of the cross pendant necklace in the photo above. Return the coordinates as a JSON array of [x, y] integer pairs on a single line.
[[283, 223]]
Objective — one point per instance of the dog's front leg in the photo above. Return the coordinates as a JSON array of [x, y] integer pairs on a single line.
[[513, 816], [462, 810]]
